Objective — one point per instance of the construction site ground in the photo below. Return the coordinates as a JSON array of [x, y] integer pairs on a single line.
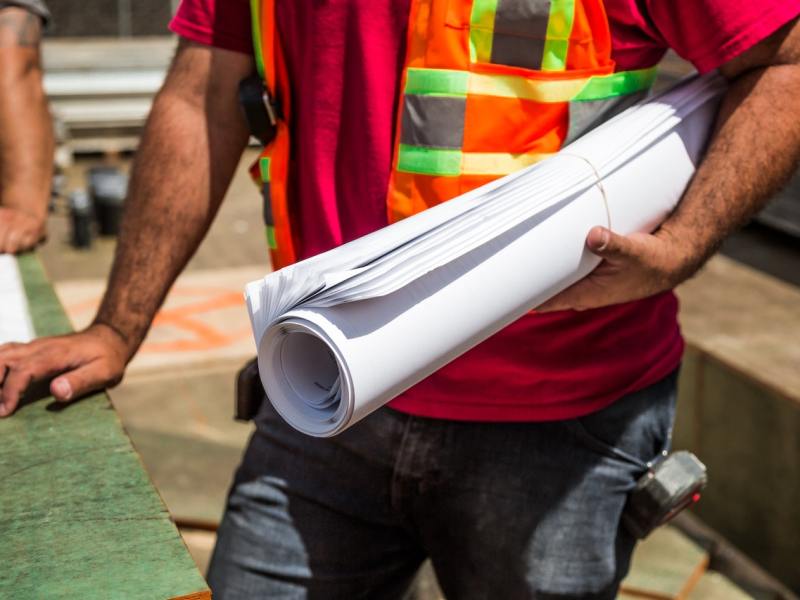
[[176, 401]]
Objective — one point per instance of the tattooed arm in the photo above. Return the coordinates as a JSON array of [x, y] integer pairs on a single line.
[[26, 135]]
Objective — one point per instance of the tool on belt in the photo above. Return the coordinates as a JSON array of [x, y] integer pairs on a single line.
[[668, 487], [249, 392], [260, 109]]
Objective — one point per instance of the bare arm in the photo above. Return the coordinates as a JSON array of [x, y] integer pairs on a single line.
[[754, 151], [26, 133], [189, 151]]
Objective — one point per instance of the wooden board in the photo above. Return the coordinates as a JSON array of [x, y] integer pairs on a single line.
[[79, 517]]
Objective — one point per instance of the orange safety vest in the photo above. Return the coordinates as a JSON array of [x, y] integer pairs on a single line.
[[488, 87]]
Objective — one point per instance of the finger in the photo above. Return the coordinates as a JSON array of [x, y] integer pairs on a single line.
[[4, 232], [29, 236], [15, 384], [6, 356], [609, 245], [88, 378], [24, 242], [29, 241], [12, 241], [24, 364]]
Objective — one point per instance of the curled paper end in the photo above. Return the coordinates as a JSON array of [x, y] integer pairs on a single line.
[[305, 378]]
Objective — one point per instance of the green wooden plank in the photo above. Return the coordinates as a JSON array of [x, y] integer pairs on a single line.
[[79, 517], [47, 315]]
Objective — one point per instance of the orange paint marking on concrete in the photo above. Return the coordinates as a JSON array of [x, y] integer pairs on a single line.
[[184, 317], [223, 300], [196, 290], [204, 336]]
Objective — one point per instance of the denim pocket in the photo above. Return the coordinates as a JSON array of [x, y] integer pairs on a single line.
[[636, 429]]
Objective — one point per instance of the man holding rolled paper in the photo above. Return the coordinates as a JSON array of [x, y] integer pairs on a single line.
[[510, 466]]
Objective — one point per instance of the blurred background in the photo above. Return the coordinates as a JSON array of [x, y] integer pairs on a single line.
[[740, 388]]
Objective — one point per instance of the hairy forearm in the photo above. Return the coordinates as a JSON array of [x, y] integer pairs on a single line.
[[26, 135], [184, 164], [755, 150]]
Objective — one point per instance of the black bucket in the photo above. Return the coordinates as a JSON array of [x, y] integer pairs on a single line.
[[80, 210], [108, 187]]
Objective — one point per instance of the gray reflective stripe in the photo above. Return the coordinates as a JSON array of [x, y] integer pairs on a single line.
[[586, 115], [433, 121], [517, 52], [520, 30], [266, 193]]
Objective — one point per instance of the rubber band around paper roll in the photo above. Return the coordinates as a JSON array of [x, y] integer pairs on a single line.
[[597, 177]]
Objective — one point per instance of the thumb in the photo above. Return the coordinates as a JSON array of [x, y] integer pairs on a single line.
[[606, 244], [80, 382]]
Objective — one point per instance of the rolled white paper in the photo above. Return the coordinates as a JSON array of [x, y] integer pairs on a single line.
[[342, 333]]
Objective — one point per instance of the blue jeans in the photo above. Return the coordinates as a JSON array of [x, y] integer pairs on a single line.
[[503, 510]]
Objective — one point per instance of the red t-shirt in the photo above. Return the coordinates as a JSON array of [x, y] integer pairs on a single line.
[[344, 59]]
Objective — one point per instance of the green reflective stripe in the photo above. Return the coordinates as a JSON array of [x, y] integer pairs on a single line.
[[559, 29], [255, 24], [429, 161], [481, 30], [616, 84], [436, 82], [271, 237], [263, 167]]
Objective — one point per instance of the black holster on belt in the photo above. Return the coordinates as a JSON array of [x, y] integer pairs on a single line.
[[260, 109], [249, 392]]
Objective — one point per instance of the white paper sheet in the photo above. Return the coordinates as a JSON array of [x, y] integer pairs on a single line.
[[342, 333], [15, 322]]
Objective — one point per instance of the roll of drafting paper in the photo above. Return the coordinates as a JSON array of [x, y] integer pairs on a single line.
[[342, 333]]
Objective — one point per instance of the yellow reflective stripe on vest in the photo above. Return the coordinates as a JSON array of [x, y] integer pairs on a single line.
[[451, 163], [537, 90], [270, 236], [463, 83], [255, 24], [263, 168], [498, 163], [481, 30], [559, 29]]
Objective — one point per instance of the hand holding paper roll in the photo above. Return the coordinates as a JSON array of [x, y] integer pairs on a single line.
[[342, 333], [634, 266]]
